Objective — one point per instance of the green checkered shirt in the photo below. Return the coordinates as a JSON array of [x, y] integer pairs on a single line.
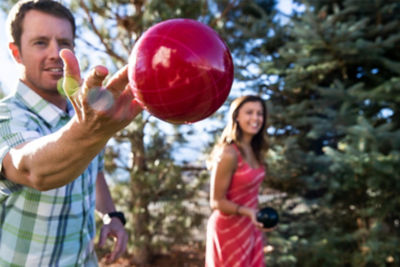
[[51, 228]]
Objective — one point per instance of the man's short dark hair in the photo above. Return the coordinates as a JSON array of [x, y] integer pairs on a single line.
[[19, 10]]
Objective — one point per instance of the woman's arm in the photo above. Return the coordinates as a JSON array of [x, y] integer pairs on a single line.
[[221, 177]]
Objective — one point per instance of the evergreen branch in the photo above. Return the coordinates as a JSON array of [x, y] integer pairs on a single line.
[[108, 48]]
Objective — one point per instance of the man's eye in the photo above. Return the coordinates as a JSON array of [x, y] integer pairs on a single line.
[[66, 44], [40, 43]]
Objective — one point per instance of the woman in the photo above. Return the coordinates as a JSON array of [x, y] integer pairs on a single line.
[[234, 237]]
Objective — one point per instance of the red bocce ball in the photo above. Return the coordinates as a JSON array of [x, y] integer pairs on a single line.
[[180, 71]]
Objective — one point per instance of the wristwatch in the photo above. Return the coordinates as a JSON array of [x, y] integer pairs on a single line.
[[107, 217]]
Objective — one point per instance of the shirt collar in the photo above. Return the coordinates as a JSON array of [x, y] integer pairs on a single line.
[[46, 110]]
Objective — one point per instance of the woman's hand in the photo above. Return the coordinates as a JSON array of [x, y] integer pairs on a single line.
[[251, 213]]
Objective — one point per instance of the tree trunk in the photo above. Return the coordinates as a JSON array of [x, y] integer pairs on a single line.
[[140, 214]]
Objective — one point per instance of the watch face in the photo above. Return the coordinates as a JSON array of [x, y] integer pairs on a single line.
[[106, 219]]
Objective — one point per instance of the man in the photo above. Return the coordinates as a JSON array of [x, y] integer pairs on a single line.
[[50, 148]]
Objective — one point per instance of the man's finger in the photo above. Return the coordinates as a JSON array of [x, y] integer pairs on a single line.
[[72, 75], [96, 77], [119, 248], [126, 107], [71, 65], [119, 80], [103, 236]]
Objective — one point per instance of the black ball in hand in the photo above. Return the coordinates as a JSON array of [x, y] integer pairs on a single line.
[[268, 217]]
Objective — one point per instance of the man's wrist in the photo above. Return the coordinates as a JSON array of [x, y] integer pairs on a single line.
[[114, 214]]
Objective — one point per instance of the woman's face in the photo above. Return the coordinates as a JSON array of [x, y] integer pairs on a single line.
[[250, 118]]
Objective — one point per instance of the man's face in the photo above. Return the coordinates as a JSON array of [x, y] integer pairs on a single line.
[[42, 38]]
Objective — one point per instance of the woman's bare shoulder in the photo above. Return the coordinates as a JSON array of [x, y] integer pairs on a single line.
[[229, 152]]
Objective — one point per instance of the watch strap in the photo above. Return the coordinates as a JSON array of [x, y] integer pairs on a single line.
[[118, 215]]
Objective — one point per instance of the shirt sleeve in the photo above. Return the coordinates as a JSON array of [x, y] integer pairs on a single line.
[[16, 127]]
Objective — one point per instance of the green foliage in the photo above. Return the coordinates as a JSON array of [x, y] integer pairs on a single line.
[[336, 138], [161, 198], [254, 38]]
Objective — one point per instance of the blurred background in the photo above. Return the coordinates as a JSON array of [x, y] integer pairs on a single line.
[[329, 71]]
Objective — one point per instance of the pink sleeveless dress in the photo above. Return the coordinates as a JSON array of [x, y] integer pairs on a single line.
[[233, 240]]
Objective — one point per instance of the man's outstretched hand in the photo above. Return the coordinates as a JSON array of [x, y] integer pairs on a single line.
[[103, 110]]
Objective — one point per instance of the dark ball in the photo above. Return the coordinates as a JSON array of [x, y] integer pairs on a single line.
[[268, 217]]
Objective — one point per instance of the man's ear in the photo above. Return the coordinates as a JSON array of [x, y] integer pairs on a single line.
[[15, 52]]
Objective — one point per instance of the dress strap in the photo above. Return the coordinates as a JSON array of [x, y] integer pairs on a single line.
[[240, 158]]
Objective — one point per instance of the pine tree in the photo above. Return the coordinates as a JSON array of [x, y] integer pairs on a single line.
[[335, 149]]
